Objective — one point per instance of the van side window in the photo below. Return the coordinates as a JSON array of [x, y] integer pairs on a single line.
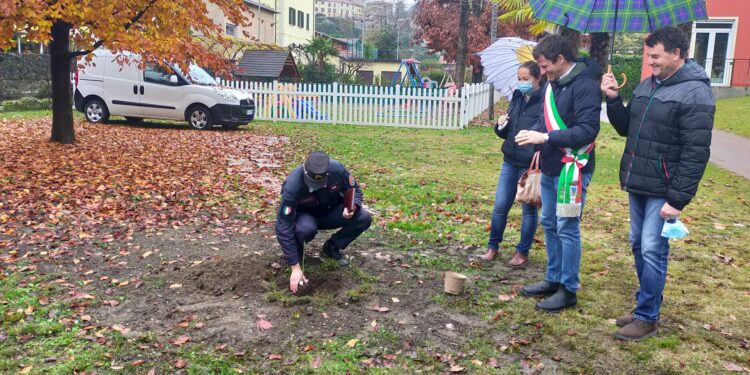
[[156, 74]]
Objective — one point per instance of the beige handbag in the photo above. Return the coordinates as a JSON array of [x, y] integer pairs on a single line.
[[530, 184]]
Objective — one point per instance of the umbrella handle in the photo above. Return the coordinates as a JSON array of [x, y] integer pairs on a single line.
[[623, 75]]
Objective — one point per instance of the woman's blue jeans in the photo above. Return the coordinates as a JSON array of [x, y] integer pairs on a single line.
[[505, 194]]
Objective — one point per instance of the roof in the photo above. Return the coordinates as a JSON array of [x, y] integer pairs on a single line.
[[271, 64], [255, 5]]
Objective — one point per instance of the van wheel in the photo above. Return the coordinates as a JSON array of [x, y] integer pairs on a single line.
[[134, 119], [96, 111], [200, 118]]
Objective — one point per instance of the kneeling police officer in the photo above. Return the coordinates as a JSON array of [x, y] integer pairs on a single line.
[[312, 198]]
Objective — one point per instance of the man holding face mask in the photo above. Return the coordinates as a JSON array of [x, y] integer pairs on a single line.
[[668, 124], [312, 198]]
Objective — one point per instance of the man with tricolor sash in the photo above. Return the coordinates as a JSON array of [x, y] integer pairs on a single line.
[[565, 135]]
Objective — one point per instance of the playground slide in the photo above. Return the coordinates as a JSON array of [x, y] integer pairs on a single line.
[[305, 110]]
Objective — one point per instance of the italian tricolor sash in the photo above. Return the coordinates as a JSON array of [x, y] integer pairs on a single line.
[[569, 188]]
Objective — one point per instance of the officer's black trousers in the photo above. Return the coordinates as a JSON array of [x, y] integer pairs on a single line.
[[308, 226]]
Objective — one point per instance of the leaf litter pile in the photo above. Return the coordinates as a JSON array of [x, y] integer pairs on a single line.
[[169, 231]]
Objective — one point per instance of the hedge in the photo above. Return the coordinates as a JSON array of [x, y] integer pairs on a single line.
[[631, 66], [26, 104]]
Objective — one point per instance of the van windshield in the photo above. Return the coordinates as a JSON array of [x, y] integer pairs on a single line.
[[198, 76]]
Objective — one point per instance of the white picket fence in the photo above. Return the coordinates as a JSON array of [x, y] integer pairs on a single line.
[[368, 105]]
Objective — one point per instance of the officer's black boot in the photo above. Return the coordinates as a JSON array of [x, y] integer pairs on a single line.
[[544, 288], [332, 251], [562, 299]]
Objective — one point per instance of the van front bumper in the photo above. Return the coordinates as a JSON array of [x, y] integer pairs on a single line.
[[228, 114]]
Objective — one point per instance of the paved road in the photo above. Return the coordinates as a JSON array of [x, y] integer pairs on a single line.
[[728, 150]]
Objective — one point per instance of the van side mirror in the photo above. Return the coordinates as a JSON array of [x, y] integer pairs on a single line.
[[173, 79]]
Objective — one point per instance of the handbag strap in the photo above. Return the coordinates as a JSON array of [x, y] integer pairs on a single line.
[[534, 166]]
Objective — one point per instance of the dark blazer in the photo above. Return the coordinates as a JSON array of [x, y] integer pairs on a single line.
[[522, 115], [579, 102]]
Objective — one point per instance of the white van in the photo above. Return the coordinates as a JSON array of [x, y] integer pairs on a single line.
[[106, 88]]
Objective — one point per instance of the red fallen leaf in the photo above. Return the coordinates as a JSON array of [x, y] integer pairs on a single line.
[[729, 366], [137, 362], [183, 324], [180, 363], [571, 332], [379, 308], [151, 372], [456, 369], [180, 341], [275, 357], [315, 363], [499, 314], [199, 325], [263, 324], [367, 361], [44, 301], [189, 318], [308, 348], [557, 358], [220, 347], [505, 297]]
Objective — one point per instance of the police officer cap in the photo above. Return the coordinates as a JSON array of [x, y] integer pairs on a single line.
[[316, 169]]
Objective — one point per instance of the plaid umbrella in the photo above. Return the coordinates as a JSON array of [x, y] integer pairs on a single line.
[[613, 16]]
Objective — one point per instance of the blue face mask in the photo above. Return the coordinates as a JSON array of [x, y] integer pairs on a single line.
[[524, 87], [674, 228]]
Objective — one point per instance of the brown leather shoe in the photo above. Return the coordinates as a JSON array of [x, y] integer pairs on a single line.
[[636, 330], [625, 319], [489, 256], [518, 260]]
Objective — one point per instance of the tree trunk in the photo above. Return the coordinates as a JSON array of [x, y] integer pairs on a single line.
[[599, 49], [463, 42], [62, 108]]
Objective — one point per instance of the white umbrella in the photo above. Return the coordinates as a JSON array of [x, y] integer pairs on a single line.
[[501, 61]]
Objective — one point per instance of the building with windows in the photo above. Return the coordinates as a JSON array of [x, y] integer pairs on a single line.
[[350, 9], [721, 45], [263, 28], [295, 22]]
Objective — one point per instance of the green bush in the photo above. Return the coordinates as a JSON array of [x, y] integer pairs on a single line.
[[631, 66], [436, 75], [26, 104]]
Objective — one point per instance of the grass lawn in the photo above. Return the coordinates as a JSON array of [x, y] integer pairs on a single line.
[[433, 188], [439, 185], [733, 115]]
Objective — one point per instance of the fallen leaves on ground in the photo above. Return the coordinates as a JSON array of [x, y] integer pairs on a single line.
[[116, 180]]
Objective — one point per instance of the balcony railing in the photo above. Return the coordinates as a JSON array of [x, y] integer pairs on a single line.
[[727, 72]]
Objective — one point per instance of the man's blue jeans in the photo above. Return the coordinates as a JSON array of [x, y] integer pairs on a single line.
[[650, 251], [505, 194], [562, 236]]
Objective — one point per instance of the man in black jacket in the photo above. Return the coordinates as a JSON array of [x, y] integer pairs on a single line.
[[312, 199], [668, 124], [565, 132]]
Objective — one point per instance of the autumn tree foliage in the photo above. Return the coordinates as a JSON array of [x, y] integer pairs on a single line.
[[437, 26], [160, 30]]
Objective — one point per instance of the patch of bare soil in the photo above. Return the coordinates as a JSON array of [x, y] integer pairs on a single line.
[[216, 286]]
